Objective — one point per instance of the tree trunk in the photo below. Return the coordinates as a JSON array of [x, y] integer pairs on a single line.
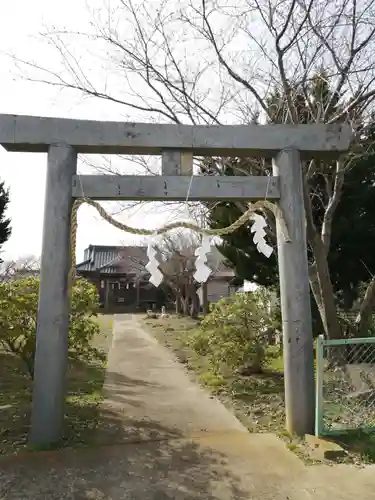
[[194, 311], [322, 289], [185, 305], [191, 301], [365, 312], [178, 302], [320, 279], [29, 363], [205, 305]]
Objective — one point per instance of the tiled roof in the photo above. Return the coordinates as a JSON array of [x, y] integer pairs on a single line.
[[114, 259], [132, 259]]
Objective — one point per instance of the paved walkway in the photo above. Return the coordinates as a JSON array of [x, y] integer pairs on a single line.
[[178, 443]]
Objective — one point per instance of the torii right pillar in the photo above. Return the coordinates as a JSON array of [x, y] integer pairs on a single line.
[[295, 297]]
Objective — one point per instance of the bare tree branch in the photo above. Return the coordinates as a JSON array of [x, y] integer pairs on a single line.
[[216, 62]]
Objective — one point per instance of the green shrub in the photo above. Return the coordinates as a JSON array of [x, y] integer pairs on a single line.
[[234, 335], [18, 319]]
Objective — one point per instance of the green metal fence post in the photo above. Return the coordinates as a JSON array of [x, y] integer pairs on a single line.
[[319, 372]]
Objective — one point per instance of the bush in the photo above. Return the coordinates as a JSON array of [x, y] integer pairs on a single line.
[[18, 319], [235, 333]]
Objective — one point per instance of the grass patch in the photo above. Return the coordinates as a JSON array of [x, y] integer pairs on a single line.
[[360, 445], [104, 340], [84, 394], [258, 400]]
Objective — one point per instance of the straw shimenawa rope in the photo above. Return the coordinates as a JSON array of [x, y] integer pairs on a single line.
[[253, 207]]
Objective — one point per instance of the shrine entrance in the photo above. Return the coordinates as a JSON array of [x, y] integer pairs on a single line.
[[64, 139]]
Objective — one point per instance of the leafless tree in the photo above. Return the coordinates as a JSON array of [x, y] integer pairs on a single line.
[[177, 257], [176, 254], [25, 266], [212, 62]]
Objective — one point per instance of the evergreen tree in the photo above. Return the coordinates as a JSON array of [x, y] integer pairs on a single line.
[[351, 257], [5, 229]]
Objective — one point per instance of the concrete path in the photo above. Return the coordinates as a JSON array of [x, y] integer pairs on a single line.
[[178, 443]]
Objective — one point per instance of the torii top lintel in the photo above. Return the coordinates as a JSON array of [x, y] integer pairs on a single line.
[[36, 134]]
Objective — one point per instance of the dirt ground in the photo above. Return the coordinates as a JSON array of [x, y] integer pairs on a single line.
[[177, 442]]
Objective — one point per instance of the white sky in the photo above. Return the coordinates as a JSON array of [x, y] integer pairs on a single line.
[[25, 173]]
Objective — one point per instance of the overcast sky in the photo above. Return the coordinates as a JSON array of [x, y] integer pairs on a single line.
[[24, 173]]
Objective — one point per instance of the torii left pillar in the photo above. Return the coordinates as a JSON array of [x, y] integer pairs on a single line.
[[51, 355]]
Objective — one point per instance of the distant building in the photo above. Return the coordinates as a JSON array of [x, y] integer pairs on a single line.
[[121, 277], [123, 281]]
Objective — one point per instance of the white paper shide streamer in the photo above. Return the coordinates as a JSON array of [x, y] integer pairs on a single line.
[[202, 271], [259, 235], [153, 265]]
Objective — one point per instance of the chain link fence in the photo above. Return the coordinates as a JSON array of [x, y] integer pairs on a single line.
[[345, 385]]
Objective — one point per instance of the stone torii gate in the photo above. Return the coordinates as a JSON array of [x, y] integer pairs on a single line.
[[64, 139]]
